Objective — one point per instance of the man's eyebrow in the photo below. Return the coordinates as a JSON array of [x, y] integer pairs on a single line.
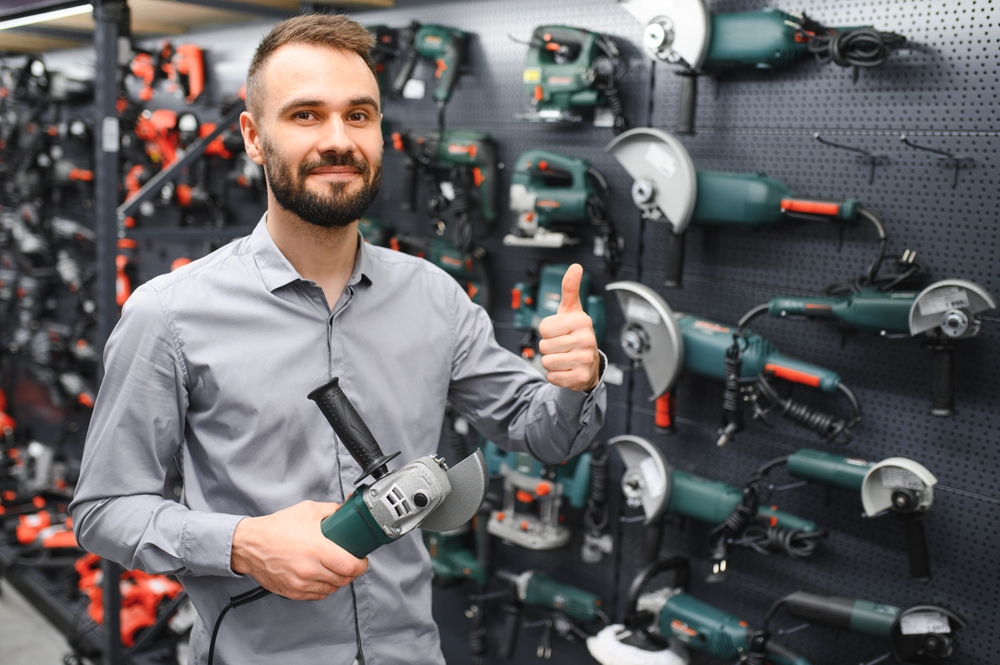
[[363, 100]]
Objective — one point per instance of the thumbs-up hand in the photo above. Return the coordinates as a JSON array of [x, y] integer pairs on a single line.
[[568, 345]]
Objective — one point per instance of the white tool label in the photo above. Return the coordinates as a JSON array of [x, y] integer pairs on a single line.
[[950, 298], [614, 375], [109, 134], [447, 190], [661, 160], [603, 117], [896, 478], [637, 309], [921, 623], [655, 482], [414, 89]]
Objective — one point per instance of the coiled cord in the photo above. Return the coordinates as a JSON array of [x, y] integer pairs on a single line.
[[595, 517], [831, 428], [462, 206], [613, 250], [864, 47], [796, 543], [607, 70]]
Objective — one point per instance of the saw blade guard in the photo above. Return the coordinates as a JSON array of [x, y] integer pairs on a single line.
[[677, 31], [469, 481], [924, 634], [650, 334], [646, 480], [950, 306], [665, 183], [895, 479]]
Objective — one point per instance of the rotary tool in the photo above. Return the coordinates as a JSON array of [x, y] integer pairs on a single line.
[[918, 635], [665, 343], [554, 194], [667, 188], [943, 312], [443, 46], [686, 33], [424, 493], [653, 620]]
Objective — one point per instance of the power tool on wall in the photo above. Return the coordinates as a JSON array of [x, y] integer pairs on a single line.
[[451, 164], [896, 485], [571, 68], [667, 343], [649, 482], [660, 625], [386, 48], [445, 47], [919, 635], [667, 188], [943, 312], [553, 194], [534, 301], [686, 33], [424, 493], [469, 268]]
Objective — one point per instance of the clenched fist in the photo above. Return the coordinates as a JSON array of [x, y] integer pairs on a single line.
[[568, 345]]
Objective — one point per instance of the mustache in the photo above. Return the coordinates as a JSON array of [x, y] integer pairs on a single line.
[[336, 160]]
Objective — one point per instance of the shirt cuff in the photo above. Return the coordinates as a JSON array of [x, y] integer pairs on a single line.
[[208, 543]]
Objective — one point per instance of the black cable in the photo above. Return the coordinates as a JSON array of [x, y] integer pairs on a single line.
[[751, 315], [607, 70], [864, 47], [613, 250], [235, 601], [830, 427], [595, 516]]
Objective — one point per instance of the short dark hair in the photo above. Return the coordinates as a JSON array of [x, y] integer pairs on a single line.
[[332, 30]]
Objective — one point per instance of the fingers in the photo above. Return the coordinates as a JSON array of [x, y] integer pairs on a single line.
[[563, 324], [570, 301]]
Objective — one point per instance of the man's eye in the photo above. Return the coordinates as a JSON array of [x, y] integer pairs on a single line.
[[304, 115], [358, 116]]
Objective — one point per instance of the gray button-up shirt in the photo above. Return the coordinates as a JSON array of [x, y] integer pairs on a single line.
[[211, 365]]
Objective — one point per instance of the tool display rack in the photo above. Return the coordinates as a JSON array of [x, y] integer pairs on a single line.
[[940, 89]]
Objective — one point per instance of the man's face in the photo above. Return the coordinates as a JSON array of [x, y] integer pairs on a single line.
[[318, 133]]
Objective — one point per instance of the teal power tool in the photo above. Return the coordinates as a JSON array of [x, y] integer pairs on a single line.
[[451, 164], [553, 195], [660, 625], [568, 610], [685, 33], [649, 482], [376, 231], [451, 559], [532, 302], [470, 268], [667, 188], [424, 493], [445, 47], [666, 344], [918, 635], [896, 485], [939, 314], [569, 69]]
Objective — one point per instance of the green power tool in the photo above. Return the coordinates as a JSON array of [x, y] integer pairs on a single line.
[[657, 623], [443, 46], [918, 635], [666, 344], [553, 195], [667, 188], [570, 69], [685, 33], [470, 269], [451, 163], [649, 482], [451, 560], [940, 314], [376, 231]]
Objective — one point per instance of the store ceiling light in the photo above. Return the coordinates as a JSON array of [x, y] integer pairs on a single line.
[[45, 16]]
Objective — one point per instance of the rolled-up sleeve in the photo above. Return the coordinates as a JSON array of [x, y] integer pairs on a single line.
[[507, 400], [119, 509]]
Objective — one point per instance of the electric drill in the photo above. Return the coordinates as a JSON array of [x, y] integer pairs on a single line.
[[897, 485], [443, 46], [466, 161], [653, 619], [571, 68], [533, 302], [685, 33], [940, 314], [918, 635], [667, 188], [553, 194], [667, 343], [470, 268]]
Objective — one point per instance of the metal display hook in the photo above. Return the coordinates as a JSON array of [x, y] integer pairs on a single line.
[[947, 159], [866, 156]]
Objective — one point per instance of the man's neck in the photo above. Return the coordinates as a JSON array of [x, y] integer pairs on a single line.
[[322, 255]]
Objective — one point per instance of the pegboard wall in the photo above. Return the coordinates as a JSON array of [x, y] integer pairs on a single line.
[[941, 90]]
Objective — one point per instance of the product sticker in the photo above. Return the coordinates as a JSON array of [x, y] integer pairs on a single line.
[[896, 478], [414, 89], [603, 117], [532, 75], [950, 298], [614, 375], [921, 623], [109, 134], [661, 160], [655, 482], [637, 309], [551, 301]]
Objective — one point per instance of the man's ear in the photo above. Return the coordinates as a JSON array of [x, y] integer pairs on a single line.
[[252, 141]]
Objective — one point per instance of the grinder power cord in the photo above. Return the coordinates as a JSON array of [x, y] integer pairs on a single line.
[[423, 493]]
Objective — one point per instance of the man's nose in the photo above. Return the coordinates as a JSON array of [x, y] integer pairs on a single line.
[[335, 137]]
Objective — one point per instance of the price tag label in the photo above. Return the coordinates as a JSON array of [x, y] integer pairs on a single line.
[[950, 298], [613, 375], [414, 89], [661, 160], [637, 309], [656, 484], [921, 623], [896, 478]]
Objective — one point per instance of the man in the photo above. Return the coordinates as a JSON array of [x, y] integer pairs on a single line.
[[211, 365]]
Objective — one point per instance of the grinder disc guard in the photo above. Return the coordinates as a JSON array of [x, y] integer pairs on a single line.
[[951, 305], [650, 334], [469, 481]]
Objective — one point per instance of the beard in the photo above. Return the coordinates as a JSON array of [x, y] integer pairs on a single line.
[[337, 208]]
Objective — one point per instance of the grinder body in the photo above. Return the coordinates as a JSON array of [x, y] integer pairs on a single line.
[[869, 310]]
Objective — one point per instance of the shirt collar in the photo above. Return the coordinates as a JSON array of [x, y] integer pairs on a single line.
[[277, 271]]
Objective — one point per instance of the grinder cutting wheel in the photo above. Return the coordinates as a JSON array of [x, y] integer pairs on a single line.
[[667, 188], [667, 343]]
